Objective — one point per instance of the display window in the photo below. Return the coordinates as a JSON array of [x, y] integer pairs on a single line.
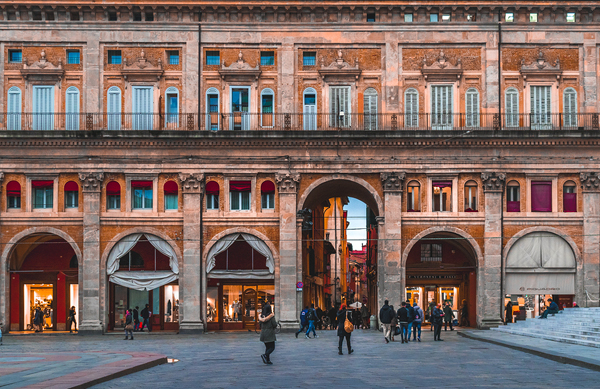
[[38, 297]]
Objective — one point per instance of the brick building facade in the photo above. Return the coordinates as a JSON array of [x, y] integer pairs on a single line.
[[151, 146]]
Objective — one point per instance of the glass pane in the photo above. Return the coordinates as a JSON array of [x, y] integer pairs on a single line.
[[120, 306], [138, 198], [232, 303], [266, 293], [212, 294], [49, 193], [235, 201], [171, 304], [250, 304], [245, 201], [148, 198], [155, 302], [310, 99], [171, 201]]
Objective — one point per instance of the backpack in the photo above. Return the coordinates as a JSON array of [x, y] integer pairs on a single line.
[[303, 316], [411, 313], [417, 315], [312, 315]]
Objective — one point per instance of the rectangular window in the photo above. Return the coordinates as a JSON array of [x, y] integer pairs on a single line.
[[173, 57], [15, 56], [533, 17], [309, 58], [266, 117], [569, 199], [212, 201], [431, 252], [509, 17], [73, 57], [370, 18], [339, 106], [42, 194], [433, 18], [541, 104], [36, 15], [171, 201], [114, 57], [513, 199], [137, 16], [442, 196], [442, 117], [113, 201], [541, 196], [149, 16], [268, 200], [471, 17], [470, 199], [14, 202], [408, 18], [570, 17], [414, 199], [71, 199], [75, 16], [267, 58], [213, 58], [112, 16], [446, 18], [142, 194], [239, 195]]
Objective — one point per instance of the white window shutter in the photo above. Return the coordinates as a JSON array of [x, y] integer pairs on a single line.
[[43, 107], [310, 117], [72, 109], [512, 108], [540, 107], [114, 108], [13, 120], [441, 105], [411, 108], [472, 108], [339, 101], [570, 107], [370, 109]]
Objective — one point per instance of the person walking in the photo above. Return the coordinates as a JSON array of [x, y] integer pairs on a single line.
[[417, 322], [146, 317], [464, 315], [411, 318], [312, 318], [37, 320], [332, 313], [385, 317], [303, 320], [431, 308], [403, 321], [437, 316], [365, 314], [393, 324], [128, 324], [342, 332], [448, 316], [508, 313], [72, 319], [136, 319], [320, 314], [267, 332]]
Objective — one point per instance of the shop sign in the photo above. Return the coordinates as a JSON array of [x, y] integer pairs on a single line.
[[433, 277]]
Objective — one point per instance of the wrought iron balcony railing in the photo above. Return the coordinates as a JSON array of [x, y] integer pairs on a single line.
[[243, 121]]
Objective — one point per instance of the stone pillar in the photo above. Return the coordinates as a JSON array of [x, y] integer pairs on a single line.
[[590, 188], [4, 278], [289, 271], [489, 280], [389, 264], [190, 275], [89, 273]]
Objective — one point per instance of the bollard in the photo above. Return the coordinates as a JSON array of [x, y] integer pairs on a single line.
[[373, 323]]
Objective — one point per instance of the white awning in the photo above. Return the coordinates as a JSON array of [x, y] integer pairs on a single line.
[[540, 283], [540, 251]]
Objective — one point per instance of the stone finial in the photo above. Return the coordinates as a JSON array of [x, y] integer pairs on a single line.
[[287, 182], [192, 182], [493, 182], [590, 182], [91, 182], [392, 182]]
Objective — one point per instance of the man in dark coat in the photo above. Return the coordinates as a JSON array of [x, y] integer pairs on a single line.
[[136, 319], [436, 319], [448, 316], [320, 314], [146, 317], [332, 317], [553, 308], [386, 315], [403, 322]]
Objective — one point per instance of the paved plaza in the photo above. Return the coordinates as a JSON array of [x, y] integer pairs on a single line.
[[224, 360]]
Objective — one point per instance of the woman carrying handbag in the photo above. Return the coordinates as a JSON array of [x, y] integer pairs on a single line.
[[345, 328], [128, 324]]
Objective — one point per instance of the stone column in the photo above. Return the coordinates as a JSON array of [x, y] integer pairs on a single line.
[[389, 264], [289, 271], [4, 278], [190, 275], [590, 187], [89, 267], [489, 271]]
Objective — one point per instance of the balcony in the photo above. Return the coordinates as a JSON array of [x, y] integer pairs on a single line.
[[242, 121]]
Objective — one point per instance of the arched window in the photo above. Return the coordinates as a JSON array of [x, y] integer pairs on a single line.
[[13, 109], [71, 195], [513, 197], [570, 107], [267, 194], [171, 195], [511, 108], [411, 108], [212, 195], [472, 107], [113, 108], [471, 196], [267, 107], [72, 109], [370, 109], [172, 108], [13, 195], [309, 109], [212, 109], [569, 197], [413, 201], [113, 195]]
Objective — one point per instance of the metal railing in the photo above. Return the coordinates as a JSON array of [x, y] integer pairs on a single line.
[[243, 121]]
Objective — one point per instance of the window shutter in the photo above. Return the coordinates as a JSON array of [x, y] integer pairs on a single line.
[[14, 109], [570, 107], [43, 108], [472, 108], [114, 108], [340, 102], [411, 108], [309, 113], [540, 107], [512, 108], [72, 109], [441, 105], [142, 108], [370, 109]]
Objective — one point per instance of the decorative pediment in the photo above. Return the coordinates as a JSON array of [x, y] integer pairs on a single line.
[[340, 68], [442, 69], [240, 70], [541, 68], [43, 68], [142, 69]]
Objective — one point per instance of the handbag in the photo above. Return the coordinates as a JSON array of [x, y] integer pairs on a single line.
[[129, 327], [348, 326]]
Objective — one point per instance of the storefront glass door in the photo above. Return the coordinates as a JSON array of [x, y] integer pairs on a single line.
[[249, 306], [240, 305]]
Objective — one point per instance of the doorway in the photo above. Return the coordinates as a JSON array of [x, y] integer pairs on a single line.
[[240, 108]]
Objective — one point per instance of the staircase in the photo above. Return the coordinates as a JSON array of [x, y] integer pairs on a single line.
[[579, 326]]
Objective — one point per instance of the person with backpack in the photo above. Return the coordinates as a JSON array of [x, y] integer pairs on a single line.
[[403, 321], [411, 318], [344, 331], [385, 317], [312, 318], [417, 322], [303, 320]]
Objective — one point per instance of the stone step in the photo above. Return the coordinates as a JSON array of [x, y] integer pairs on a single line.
[[586, 335], [557, 338]]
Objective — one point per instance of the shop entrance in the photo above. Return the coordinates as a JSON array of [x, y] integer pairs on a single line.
[[441, 269], [163, 306]]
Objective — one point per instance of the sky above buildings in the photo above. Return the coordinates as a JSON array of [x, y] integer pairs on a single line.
[[357, 229]]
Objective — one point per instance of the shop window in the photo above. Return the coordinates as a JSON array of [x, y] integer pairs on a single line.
[[267, 58], [371, 17], [571, 17], [541, 196], [266, 107], [239, 195], [433, 18], [171, 301], [431, 252], [513, 197], [212, 296], [446, 18], [509, 17], [173, 57], [15, 56], [570, 197], [71, 195], [533, 17], [408, 18], [112, 16], [113, 195], [442, 196], [309, 58], [413, 201], [73, 57], [171, 195], [114, 57], [212, 195], [213, 58], [471, 196], [142, 194], [43, 192], [13, 195], [267, 195]]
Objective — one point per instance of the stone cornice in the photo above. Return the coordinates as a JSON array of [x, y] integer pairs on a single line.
[[91, 182]]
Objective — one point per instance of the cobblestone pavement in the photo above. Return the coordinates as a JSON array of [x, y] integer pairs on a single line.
[[224, 360]]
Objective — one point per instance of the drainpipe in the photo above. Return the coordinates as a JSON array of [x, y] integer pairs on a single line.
[[499, 70], [202, 304], [502, 195], [199, 70]]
